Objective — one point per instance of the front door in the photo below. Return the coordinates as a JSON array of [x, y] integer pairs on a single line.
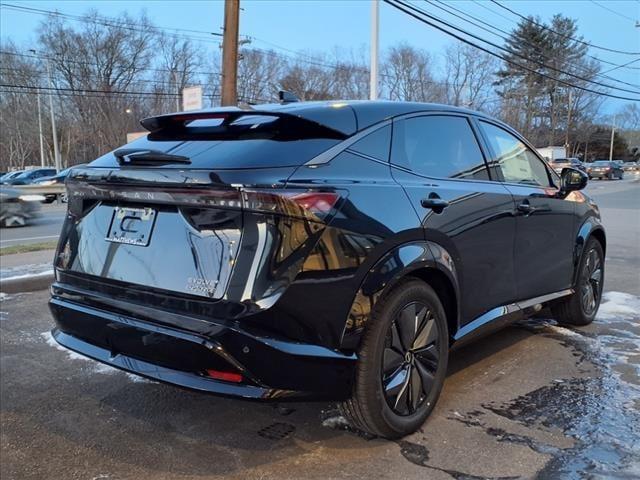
[[438, 161], [545, 220]]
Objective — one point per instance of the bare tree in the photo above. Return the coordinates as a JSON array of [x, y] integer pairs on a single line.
[[19, 143], [469, 76], [99, 56], [407, 76]]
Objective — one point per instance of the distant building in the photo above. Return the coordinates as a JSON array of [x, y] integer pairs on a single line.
[[551, 153]]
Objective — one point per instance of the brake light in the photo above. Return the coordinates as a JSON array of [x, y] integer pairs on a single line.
[[310, 205], [225, 376]]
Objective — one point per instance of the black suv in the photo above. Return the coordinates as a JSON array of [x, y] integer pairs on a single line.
[[329, 249]]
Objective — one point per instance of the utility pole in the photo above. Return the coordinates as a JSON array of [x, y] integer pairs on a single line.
[[566, 139], [375, 23], [230, 53], [613, 132], [41, 137], [56, 152], [42, 161], [174, 74]]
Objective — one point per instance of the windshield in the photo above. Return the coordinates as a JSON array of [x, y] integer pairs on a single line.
[[602, 163], [561, 160]]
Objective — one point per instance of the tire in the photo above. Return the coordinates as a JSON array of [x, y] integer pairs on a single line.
[[573, 310], [13, 221], [406, 402]]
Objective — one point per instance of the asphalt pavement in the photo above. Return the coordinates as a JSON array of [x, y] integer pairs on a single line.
[[534, 400]]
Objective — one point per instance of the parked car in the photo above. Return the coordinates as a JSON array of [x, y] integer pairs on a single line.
[[56, 180], [605, 169], [17, 208], [9, 176], [324, 249], [27, 177], [631, 166], [559, 163]]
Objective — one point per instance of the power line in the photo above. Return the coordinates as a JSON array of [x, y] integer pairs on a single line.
[[402, 7], [620, 66], [613, 11], [447, 7], [78, 62], [511, 52], [132, 26], [88, 90], [561, 34], [108, 22]]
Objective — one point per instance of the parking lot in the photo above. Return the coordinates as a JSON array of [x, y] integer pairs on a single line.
[[532, 400]]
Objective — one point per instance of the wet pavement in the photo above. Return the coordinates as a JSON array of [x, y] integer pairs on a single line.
[[532, 400], [535, 400]]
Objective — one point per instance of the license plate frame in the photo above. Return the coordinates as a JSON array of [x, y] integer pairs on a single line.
[[132, 225]]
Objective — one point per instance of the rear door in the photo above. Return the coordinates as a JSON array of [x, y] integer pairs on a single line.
[[545, 220], [437, 158]]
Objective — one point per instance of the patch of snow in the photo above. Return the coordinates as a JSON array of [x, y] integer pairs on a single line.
[[337, 422], [29, 275], [5, 296], [619, 304], [138, 379]]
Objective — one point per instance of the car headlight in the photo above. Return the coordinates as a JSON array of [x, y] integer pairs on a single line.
[[47, 182], [32, 198]]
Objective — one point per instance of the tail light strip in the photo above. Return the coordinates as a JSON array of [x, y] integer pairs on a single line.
[[307, 204]]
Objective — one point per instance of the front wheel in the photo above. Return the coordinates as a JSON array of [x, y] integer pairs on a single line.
[[402, 362], [581, 307]]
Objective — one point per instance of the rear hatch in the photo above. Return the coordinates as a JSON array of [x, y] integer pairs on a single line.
[[170, 212]]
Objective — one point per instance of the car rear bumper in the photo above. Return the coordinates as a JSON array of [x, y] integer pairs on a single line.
[[269, 368]]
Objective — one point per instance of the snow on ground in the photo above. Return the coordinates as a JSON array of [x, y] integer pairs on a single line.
[[25, 271], [619, 304]]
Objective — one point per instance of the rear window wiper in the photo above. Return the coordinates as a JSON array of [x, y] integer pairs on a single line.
[[134, 156]]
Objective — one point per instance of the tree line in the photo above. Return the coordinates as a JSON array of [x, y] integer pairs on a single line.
[[106, 75]]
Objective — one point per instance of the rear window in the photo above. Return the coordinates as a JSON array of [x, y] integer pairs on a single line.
[[250, 141], [229, 154]]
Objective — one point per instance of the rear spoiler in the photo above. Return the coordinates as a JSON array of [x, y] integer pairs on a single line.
[[177, 124]]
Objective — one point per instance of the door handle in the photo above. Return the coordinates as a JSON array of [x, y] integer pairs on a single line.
[[526, 208], [434, 202]]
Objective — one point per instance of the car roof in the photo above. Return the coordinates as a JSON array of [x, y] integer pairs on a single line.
[[350, 116]]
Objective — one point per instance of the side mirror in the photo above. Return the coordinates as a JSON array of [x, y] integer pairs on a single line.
[[573, 179]]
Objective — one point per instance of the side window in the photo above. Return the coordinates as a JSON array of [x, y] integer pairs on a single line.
[[438, 146], [375, 145], [516, 161]]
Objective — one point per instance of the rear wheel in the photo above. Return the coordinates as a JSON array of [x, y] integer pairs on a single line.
[[402, 362], [14, 221], [581, 307]]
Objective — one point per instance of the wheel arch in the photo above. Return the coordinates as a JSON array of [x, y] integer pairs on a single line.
[[423, 260], [591, 227]]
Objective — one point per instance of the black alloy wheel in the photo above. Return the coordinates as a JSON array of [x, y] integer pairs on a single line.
[[581, 307], [591, 282], [402, 362], [410, 358]]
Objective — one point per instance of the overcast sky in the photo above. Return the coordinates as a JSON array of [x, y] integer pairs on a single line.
[[319, 26]]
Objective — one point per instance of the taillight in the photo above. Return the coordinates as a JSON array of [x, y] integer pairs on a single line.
[[310, 205], [315, 206]]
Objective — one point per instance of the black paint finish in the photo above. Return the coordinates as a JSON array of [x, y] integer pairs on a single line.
[[270, 269]]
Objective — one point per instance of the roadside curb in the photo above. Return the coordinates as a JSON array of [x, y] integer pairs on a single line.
[[29, 283]]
